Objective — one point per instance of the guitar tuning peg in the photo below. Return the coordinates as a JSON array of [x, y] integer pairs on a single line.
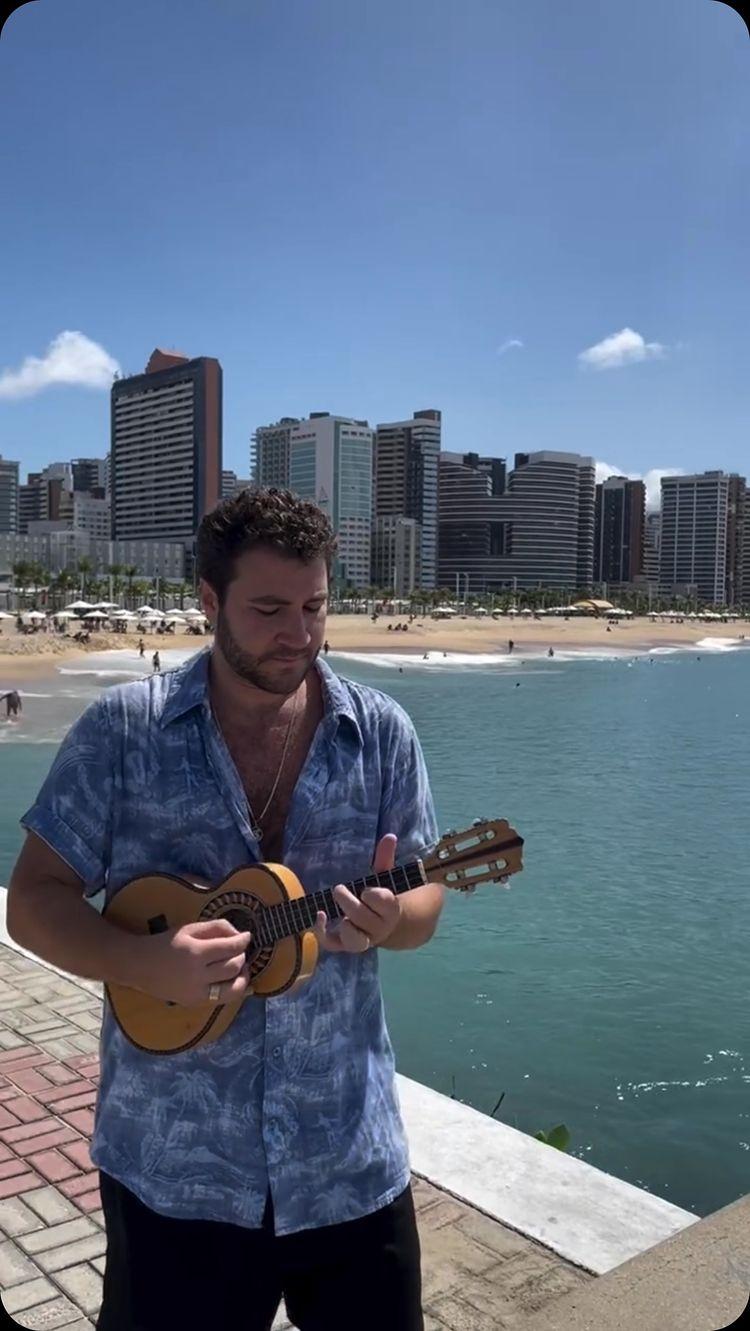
[[478, 822], [451, 832]]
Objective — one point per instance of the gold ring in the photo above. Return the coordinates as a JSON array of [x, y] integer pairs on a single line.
[[214, 993]]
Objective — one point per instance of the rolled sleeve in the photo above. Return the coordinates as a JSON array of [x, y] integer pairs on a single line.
[[407, 807], [73, 810]]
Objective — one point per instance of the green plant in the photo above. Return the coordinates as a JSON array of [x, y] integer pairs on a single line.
[[558, 1137]]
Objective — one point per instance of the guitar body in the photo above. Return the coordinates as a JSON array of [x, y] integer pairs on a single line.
[[264, 899], [155, 903]]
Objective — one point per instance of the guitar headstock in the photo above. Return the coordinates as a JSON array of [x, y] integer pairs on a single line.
[[487, 852]]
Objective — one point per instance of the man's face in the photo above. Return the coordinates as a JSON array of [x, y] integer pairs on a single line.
[[271, 626]]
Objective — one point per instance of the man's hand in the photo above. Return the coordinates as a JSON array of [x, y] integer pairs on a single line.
[[179, 965], [368, 922]]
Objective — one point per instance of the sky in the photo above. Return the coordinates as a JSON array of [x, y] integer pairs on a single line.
[[532, 216]]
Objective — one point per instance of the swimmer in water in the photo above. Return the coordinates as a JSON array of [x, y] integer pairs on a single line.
[[12, 701]]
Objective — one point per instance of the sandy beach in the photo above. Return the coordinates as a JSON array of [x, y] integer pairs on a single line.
[[22, 657], [357, 633]]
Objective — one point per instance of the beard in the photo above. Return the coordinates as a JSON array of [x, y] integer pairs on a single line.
[[252, 669]]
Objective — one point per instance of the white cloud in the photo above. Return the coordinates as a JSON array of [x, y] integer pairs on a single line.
[[512, 342], [70, 358], [623, 348], [652, 479]]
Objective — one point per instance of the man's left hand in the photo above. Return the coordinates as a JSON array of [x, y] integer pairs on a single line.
[[369, 921]]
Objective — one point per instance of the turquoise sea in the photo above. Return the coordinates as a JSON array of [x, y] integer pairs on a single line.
[[609, 988]]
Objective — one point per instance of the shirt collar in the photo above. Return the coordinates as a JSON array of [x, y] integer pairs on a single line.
[[188, 688]]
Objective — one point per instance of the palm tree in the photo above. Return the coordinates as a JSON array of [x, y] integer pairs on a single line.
[[60, 584], [115, 572], [39, 578], [140, 590], [130, 571], [84, 567], [21, 577]]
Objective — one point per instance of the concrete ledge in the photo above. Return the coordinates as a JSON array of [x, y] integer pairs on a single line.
[[585, 1215], [698, 1280]]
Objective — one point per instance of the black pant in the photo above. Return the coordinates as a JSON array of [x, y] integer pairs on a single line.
[[201, 1275]]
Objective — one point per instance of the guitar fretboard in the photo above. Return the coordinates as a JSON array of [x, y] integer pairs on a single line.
[[294, 917]]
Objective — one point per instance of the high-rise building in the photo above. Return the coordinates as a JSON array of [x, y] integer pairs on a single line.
[[538, 533], [651, 539], [231, 484], [8, 496], [45, 495], [405, 479], [330, 461], [91, 514], [89, 475], [396, 555], [165, 468], [619, 530], [269, 453], [738, 538], [696, 535]]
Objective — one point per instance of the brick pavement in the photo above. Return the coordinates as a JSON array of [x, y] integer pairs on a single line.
[[478, 1275]]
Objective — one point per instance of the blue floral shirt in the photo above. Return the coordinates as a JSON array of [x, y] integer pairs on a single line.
[[299, 1094]]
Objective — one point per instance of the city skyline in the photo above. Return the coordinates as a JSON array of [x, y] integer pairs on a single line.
[[548, 244]]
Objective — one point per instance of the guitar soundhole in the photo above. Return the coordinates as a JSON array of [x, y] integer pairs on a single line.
[[243, 913], [240, 918]]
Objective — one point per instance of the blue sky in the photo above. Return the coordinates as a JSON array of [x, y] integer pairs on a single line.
[[363, 207]]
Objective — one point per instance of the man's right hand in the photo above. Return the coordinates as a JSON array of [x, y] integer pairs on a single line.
[[179, 965]]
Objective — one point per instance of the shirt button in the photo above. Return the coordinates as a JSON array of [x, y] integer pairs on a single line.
[[277, 1051]]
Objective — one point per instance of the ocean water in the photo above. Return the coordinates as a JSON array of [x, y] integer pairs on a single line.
[[608, 988]]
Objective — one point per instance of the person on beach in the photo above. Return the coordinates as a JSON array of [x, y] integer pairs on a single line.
[[272, 1162], [326, 648], [511, 645], [141, 647], [156, 662], [12, 701]]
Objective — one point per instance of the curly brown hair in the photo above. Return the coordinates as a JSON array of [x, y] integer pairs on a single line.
[[276, 519]]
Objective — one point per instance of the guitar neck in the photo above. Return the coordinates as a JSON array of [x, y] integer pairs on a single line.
[[295, 916]]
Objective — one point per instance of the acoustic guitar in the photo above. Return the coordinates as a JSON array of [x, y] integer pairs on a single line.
[[269, 900]]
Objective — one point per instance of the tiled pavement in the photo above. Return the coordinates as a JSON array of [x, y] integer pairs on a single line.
[[478, 1275]]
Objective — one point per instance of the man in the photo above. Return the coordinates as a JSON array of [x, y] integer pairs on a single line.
[[12, 701], [272, 1161]]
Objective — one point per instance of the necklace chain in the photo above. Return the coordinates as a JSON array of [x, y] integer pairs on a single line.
[[257, 830]]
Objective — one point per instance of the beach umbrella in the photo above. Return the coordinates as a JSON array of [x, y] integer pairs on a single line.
[[526, 610], [95, 614], [80, 605], [34, 614], [65, 614], [146, 610], [5, 615], [123, 614]]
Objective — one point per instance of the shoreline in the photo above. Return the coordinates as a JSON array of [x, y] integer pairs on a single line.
[[23, 657]]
